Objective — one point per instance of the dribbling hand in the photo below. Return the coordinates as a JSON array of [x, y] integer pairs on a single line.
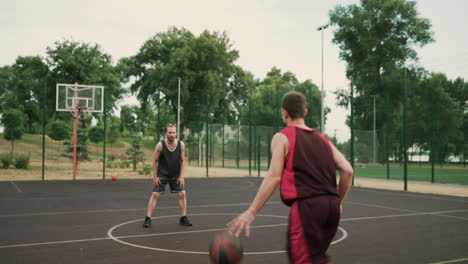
[[243, 221]]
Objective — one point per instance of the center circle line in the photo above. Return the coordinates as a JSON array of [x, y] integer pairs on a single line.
[[118, 239]]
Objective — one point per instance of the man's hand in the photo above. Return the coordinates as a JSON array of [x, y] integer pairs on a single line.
[[181, 181], [243, 221], [156, 181]]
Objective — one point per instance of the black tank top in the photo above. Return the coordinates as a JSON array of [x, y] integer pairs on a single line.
[[169, 162]]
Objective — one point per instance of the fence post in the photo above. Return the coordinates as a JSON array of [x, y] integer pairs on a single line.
[[104, 141], [44, 107]]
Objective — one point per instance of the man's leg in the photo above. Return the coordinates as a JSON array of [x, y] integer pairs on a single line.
[[183, 203], [183, 210], [151, 205]]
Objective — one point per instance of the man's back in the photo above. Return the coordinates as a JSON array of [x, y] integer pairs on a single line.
[[310, 169]]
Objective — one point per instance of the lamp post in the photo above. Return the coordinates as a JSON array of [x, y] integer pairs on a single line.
[[322, 103]]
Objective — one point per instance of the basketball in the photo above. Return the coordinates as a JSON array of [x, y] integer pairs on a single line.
[[114, 177], [226, 249]]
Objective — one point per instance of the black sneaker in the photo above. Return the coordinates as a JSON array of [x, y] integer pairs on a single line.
[[147, 222], [184, 221]]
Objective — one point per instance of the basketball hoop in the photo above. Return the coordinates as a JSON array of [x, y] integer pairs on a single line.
[[79, 99]]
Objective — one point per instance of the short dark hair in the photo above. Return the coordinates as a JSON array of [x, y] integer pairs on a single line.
[[294, 103], [170, 125]]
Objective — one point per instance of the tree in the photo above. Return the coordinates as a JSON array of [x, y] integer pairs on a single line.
[[204, 63], [265, 99], [96, 135], [437, 117], [81, 146], [84, 63], [135, 152], [30, 76], [376, 39], [13, 121], [58, 130]]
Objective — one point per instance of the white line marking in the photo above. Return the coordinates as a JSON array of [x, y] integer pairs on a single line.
[[413, 214], [54, 242], [451, 261], [343, 220], [441, 213], [411, 195], [16, 186], [127, 209], [109, 233], [380, 206]]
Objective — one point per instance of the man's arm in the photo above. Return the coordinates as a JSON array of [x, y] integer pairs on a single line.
[[157, 152], [346, 172], [270, 183], [181, 180]]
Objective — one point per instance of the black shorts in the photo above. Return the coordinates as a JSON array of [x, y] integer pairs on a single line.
[[174, 186], [313, 223]]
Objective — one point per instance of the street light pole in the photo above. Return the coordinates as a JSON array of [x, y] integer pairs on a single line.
[[322, 95]]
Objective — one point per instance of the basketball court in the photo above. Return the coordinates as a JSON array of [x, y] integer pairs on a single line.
[[95, 221]]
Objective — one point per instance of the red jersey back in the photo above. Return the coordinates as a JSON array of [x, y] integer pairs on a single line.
[[309, 168]]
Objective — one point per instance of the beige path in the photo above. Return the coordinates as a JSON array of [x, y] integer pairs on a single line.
[[419, 187]]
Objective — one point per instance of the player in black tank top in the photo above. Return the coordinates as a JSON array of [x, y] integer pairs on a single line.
[[168, 168]]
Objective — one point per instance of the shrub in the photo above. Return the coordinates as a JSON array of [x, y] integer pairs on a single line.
[[6, 159], [146, 169], [22, 161]]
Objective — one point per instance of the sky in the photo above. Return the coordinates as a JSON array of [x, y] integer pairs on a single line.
[[267, 33]]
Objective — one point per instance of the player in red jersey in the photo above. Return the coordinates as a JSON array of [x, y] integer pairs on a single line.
[[304, 162]]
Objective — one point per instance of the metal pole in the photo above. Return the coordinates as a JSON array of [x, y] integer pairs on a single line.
[[322, 103], [277, 109], [405, 148], [159, 119], [44, 105], [207, 146], [75, 134], [352, 128], [310, 106], [238, 145], [178, 109], [374, 146], [223, 143], [250, 137], [104, 141], [258, 156]]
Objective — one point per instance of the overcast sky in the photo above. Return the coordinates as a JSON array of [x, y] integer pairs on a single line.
[[267, 33]]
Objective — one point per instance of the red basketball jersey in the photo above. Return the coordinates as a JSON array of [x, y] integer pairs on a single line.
[[309, 168]]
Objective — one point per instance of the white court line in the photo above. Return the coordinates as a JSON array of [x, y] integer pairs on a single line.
[[16, 186], [412, 195], [451, 261], [124, 210], [130, 236], [441, 213], [343, 220]]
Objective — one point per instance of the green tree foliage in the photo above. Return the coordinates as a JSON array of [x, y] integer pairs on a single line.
[[436, 117], [265, 108], [59, 130], [376, 39], [96, 135], [135, 152], [84, 63], [205, 64], [13, 121], [22, 87], [81, 146]]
